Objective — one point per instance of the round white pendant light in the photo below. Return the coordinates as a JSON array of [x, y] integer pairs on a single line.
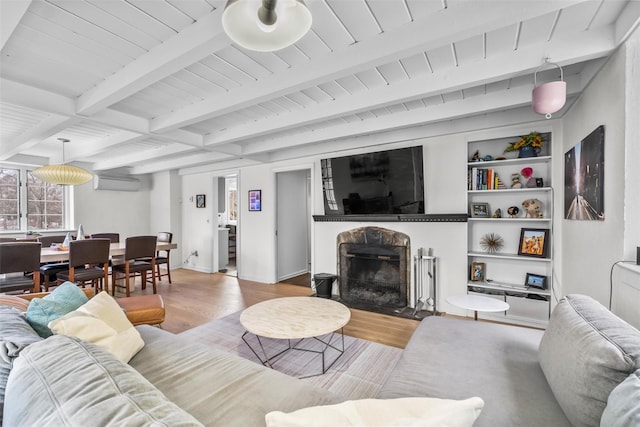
[[266, 25]]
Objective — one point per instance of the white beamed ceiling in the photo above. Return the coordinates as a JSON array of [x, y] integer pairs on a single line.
[[147, 86]]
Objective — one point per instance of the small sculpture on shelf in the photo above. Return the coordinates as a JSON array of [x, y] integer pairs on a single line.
[[491, 242], [515, 181], [513, 211], [476, 156], [497, 213], [532, 208]]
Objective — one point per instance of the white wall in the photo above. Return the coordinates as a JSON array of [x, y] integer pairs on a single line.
[[124, 212], [589, 248], [632, 146], [166, 210], [200, 225]]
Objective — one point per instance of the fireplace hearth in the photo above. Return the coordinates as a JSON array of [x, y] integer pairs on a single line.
[[373, 268]]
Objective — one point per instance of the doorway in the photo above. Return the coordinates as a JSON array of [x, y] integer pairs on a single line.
[[293, 227], [228, 225]]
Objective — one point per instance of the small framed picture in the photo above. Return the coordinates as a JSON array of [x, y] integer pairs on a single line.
[[477, 271], [533, 242], [535, 281], [200, 201], [479, 210], [255, 200]]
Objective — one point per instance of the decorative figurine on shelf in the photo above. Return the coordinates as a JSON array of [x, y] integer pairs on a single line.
[[532, 208], [515, 181], [499, 184], [528, 175], [476, 156], [513, 211], [488, 158], [491, 242], [497, 213]]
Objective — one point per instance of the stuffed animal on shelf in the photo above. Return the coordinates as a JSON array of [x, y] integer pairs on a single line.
[[532, 208]]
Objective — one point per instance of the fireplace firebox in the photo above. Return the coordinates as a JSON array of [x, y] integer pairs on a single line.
[[374, 267]]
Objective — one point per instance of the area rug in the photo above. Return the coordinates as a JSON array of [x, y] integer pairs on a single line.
[[358, 374]]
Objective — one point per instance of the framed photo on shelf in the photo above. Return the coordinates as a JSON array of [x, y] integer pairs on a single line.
[[533, 242], [479, 210], [255, 200], [200, 201], [477, 271], [535, 281]]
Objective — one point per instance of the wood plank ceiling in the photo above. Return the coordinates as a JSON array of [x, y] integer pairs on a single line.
[[146, 86]]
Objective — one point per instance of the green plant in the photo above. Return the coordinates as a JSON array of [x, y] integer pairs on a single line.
[[534, 139]]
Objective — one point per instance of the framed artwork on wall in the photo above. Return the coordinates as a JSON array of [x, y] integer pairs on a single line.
[[200, 201], [584, 178], [255, 200], [533, 242]]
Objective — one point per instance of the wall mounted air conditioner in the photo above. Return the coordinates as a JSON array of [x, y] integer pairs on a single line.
[[115, 183]]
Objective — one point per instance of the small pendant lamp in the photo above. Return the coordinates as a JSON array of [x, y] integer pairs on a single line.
[[266, 25], [548, 97]]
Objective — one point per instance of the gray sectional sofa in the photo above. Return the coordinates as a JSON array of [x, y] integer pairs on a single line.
[[526, 377]]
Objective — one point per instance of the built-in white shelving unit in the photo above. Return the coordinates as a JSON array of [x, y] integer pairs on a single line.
[[505, 272]]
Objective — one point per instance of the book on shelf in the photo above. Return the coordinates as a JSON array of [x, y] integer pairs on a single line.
[[483, 179]]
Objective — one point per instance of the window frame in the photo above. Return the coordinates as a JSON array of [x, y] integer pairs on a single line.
[[23, 220]]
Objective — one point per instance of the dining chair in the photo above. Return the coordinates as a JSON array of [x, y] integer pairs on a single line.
[[114, 237], [88, 262], [162, 256], [16, 258], [49, 271], [136, 249], [49, 240]]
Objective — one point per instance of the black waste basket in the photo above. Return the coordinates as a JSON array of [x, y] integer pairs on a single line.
[[324, 283]]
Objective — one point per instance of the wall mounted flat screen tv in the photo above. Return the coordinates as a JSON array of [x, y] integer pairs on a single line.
[[382, 183]]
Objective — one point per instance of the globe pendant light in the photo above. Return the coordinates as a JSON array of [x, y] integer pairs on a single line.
[[266, 25], [549, 97], [63, 174]]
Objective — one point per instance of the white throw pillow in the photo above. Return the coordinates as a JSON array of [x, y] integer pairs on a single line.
[[102, 322], [409, 411]]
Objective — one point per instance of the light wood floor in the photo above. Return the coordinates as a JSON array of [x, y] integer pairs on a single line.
[[196, 298]]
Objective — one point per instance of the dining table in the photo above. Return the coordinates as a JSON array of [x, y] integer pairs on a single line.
[[116, 250]]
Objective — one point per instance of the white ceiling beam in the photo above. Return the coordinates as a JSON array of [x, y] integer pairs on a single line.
[[180, 162], [514, 117], [52, 103], [457, 22], [190, 45], [498, 101], [628, 22], [109, 143], [586, 46], [11, 12], [144, 156], [47, 128], [226, 166]]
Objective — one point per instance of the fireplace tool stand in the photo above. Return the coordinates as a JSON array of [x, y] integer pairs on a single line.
[[424, 273]]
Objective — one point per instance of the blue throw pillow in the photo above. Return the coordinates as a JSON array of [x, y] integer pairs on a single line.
[[64, 299]]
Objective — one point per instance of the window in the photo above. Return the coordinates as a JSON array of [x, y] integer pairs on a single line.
[[9, 201], [43, 203]]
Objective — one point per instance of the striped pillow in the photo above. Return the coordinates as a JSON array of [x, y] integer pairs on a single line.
[[14, 301]]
